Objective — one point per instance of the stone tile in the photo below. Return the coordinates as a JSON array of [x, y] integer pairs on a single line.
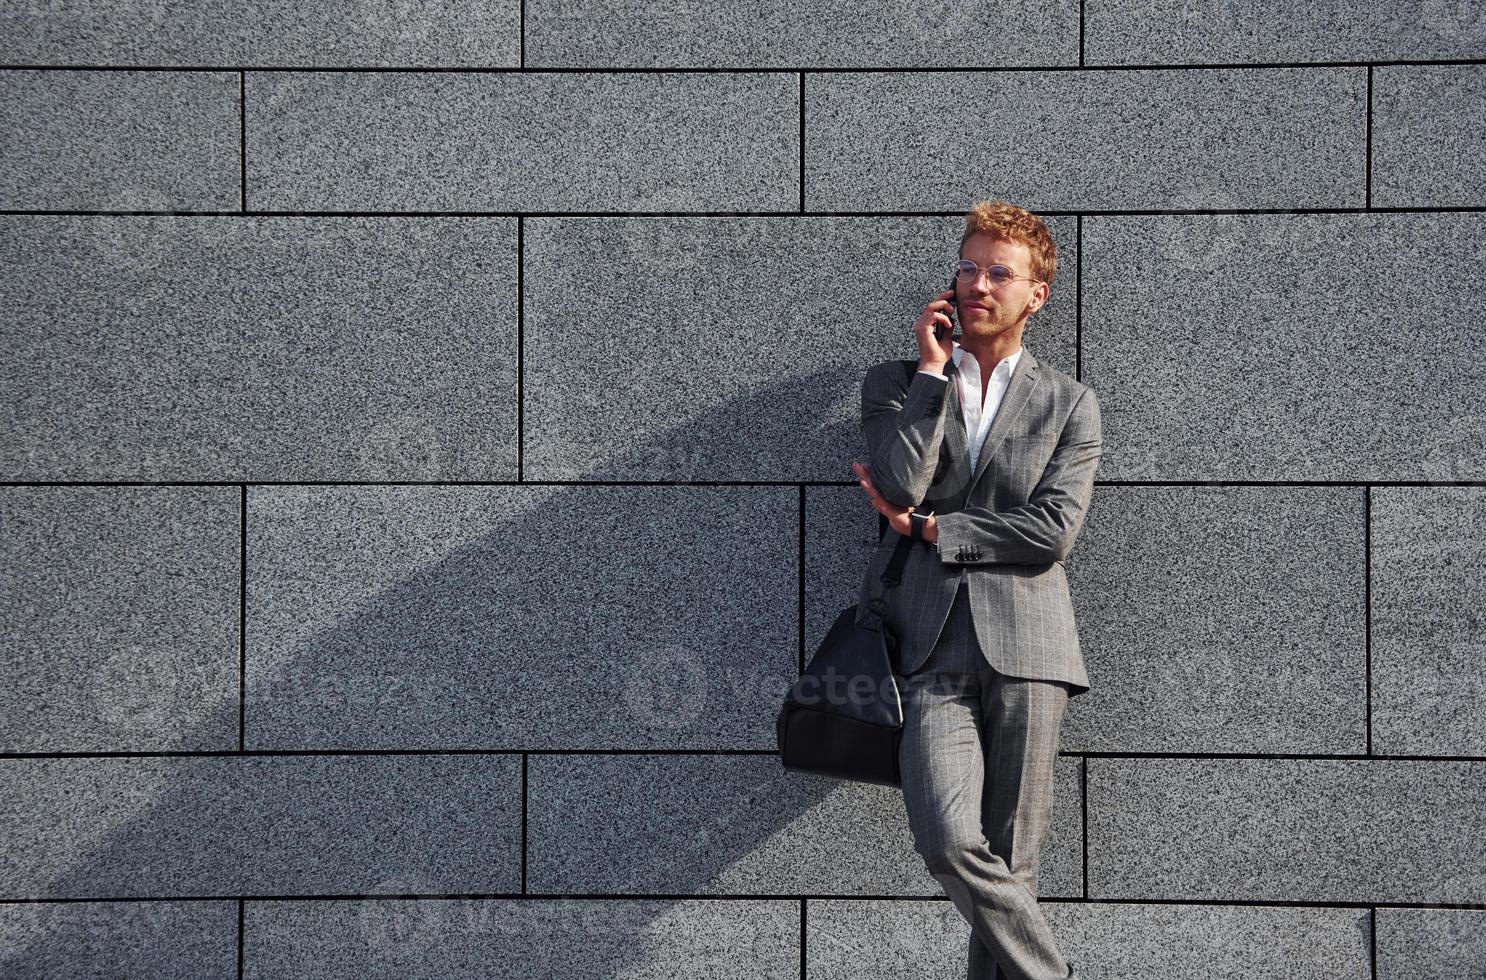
[[259, 349], [868, 939], [1081, 140], [1287, 830], [738, 825], [1287, 347], [526, 937], [520, 617], [1429, 133], [875, 939], [1234, 942], [519, 141], [120, 940], [1221, 619], [205, 827], [1225, 31], [1428, 637], [743, 343], [119, 611], [340, 33], [840, 538], [1426, 944], [757, 34], [120, 140]]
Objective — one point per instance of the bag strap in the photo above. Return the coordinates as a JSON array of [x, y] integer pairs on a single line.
[[893, 573]]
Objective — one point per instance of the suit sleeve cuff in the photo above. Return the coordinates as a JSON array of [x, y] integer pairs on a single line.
[[925, 389], [954, 536]]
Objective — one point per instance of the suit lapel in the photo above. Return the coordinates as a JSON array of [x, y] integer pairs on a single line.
[[954, 433], [1023, 380]]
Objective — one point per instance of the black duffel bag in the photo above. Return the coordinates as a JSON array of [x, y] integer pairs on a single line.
[[844, 716]]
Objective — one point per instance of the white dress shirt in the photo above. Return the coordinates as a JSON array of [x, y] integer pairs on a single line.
[[978, 417]]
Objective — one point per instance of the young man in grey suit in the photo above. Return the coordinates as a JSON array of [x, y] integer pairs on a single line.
[[986, 457]]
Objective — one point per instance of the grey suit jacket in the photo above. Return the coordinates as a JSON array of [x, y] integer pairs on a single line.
[[1004, 529]]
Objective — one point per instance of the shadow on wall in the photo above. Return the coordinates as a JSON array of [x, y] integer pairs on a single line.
[[521, 634]]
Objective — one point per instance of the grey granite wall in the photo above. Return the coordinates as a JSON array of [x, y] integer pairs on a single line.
[[426, 465]]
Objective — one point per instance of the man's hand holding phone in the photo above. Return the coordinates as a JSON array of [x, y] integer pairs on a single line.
[[935, 330]]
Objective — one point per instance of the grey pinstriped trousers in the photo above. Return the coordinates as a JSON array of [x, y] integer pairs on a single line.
[[977, 762]]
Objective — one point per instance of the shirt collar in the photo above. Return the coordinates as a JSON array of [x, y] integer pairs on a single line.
[[1010, 360]]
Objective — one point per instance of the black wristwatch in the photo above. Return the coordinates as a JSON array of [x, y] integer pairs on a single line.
[[919, 522]]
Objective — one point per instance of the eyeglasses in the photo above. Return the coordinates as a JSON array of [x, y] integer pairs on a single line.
[[1000, 275]]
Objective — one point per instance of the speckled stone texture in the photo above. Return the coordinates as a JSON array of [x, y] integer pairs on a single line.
[[1429, 134], [620, 617], [1221, 619], [644, 939], [878, 939], [1225, 138], [224, 826], [1143, 32], [741, 825], [1287, 830], [452, 404], [119, 615], [886, 940], [200, 348], [1425, 944], [121, 141], [1287, 347], [109, 940], [467, 33], [808, 33], [840, 537], [414, 141], [730, 349], [1428, 648]]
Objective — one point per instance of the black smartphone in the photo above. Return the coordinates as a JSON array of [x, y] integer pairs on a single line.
[[954, 305]]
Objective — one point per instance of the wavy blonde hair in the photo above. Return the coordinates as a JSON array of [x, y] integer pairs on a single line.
[[1000, 219]]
